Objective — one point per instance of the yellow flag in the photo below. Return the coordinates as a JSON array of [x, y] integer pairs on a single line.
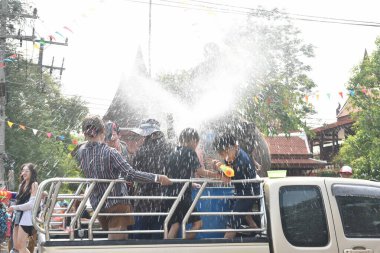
[[10, 124]]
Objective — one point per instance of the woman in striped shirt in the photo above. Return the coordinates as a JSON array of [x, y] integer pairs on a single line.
[[97, 160]]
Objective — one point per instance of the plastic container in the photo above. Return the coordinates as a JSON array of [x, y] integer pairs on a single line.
[[214, 205], [276, 173]]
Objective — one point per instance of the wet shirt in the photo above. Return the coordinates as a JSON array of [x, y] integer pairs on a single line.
[[124, 150], [97, 160], [244, 169], [182, 165], [152, 157]]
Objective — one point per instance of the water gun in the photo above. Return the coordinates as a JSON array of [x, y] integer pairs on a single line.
[[227, 170], [7, 195]]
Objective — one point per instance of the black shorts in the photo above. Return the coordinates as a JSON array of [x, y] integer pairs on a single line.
[[27, 229], [240, 205], [180, 213]]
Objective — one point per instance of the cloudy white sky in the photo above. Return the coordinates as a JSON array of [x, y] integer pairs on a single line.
[[106, 34]]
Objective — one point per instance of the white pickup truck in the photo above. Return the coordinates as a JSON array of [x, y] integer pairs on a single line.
[[298, 214]]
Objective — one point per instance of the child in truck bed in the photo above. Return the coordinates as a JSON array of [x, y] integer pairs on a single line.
[[184, 164], [227, 147]]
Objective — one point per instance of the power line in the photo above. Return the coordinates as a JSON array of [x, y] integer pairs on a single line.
[[245, 13], [74, 95], [286, 13]]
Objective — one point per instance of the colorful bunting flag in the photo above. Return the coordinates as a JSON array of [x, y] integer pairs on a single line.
[[351, 92], [49, 135], [364, 90], [307, 99], [60, 34], [10, 124], [22, 127], [68, 29], [35, 131], [340, 94]]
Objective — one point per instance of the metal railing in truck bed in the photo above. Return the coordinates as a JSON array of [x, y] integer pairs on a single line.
[[49, 219]]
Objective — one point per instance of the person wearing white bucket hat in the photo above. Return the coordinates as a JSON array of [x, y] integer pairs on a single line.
[[148, 127], [345, 171], [151, 157]]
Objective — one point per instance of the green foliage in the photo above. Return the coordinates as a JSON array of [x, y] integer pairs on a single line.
[[35, 100], [275, 82], [362, 150]]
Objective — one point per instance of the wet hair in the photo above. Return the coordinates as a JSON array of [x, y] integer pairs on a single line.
[[187, 135], [33, 178], [109, 127], [92, 126], [224, 141]]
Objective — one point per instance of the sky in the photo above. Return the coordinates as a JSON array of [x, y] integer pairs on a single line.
[[104, 36]]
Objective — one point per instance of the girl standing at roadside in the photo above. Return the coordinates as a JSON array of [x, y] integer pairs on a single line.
[[23, 226]]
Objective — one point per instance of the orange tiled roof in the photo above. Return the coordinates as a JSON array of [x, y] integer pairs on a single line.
[[342, 122], [281, 145]]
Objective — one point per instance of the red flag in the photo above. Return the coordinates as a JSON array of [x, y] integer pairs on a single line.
[[364, 90], [65, 27], [49, 135], [13, 56], [341, 94]]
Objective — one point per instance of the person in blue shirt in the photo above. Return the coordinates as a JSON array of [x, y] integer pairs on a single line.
[[227, 147]]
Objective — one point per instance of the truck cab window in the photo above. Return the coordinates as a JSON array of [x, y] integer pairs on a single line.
[[303, 216], [359, 208]]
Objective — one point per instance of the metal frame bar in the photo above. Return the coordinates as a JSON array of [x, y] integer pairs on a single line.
[[97, 210], [172, 209], [187, 216], [56, 183]]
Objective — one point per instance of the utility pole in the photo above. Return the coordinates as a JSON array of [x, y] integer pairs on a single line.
[[3, 31], [149, 38], [3, 39]]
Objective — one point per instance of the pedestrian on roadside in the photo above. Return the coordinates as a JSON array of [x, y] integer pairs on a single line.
[[22, 222], [345, 172]]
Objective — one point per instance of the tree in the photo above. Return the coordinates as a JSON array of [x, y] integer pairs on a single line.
[[35, 101], [362, 150], [261, 65]]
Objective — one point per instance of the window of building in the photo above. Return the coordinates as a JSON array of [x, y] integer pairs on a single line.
[[303, 216]]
